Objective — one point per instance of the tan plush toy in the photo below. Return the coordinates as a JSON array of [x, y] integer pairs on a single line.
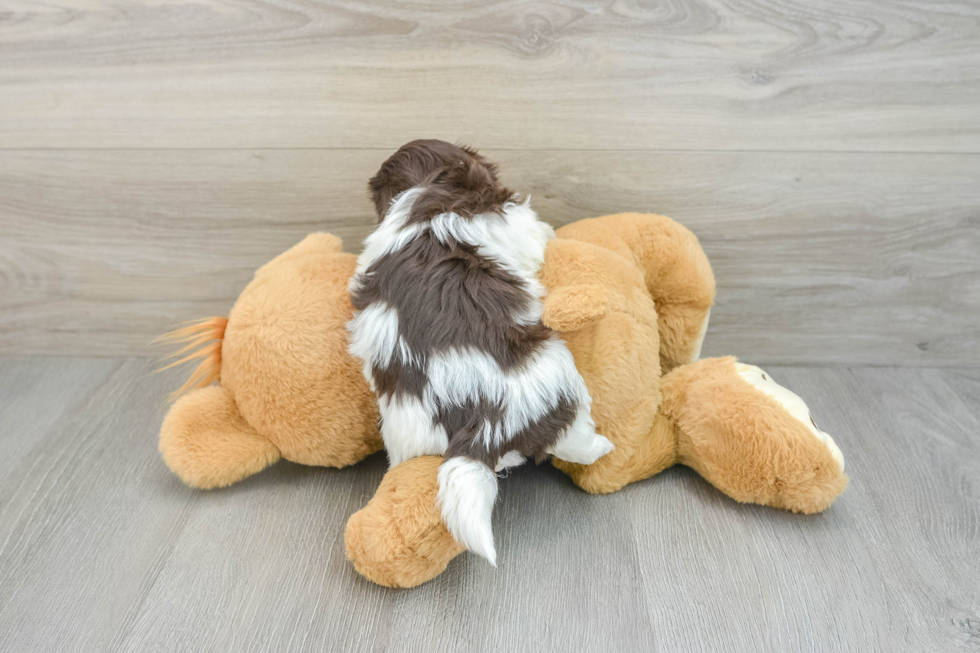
[[629, 293]]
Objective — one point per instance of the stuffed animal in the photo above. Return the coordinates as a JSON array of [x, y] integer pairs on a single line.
[[630, 294]]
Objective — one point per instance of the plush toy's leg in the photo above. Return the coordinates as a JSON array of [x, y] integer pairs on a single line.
[[630, 461], [207, 443], [398, 539], [680, 280], [676, 271], [751, 438]]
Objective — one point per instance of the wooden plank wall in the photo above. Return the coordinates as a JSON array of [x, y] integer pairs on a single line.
[[153, 153]]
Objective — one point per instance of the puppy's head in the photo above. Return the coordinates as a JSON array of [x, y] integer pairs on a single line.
[[455, 179]]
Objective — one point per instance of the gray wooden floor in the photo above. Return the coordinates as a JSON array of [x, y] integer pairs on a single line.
[[102, 549]]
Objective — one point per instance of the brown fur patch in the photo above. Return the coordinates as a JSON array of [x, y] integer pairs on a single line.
[[454, 298], [449, 296], [455, 178]]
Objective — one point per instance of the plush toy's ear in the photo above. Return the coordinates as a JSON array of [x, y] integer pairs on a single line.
[[570, 308]]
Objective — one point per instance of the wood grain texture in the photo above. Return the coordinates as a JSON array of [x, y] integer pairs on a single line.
[[890, 584], [856, 258], [866, 75], [102, 549]]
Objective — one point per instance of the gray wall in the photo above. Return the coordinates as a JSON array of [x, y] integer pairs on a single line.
[[827, 154]]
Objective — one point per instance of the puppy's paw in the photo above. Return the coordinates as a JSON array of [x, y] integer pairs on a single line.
[[575, 450]]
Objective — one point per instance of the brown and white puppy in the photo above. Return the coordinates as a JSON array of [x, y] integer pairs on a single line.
[[448, 326]]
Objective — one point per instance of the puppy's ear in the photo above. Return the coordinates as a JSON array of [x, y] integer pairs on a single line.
[[570, 308], [381, 192]]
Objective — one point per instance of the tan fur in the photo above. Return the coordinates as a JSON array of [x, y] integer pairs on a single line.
[[744, 443], [572, 307], [285, 368], [211, 331], [398, 539], [675, 270], [285, 358], [629, 294], [205, 441]]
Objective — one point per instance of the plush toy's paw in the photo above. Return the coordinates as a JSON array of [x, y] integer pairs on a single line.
[[792, 402], [572, 307], [399, 539], [208, 444]]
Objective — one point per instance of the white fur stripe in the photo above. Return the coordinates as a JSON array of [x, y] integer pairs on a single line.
[[374, 334], [390, 236], [408, 430], [526, 392], [494, 237], [467, 491], [696, 354]]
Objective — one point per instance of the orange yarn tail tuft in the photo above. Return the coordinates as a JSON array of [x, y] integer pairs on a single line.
[[204, 336]]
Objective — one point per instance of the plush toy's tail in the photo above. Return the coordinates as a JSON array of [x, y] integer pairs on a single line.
[[206, 337], [204, 439], [467, 491]]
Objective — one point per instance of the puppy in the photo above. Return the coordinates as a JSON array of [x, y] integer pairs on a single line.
[[448, 325]]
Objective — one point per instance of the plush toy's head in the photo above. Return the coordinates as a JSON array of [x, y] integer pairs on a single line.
[[285, 376], [285, 357]]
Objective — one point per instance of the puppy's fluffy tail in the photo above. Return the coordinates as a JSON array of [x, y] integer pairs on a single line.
[[467, 491]]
